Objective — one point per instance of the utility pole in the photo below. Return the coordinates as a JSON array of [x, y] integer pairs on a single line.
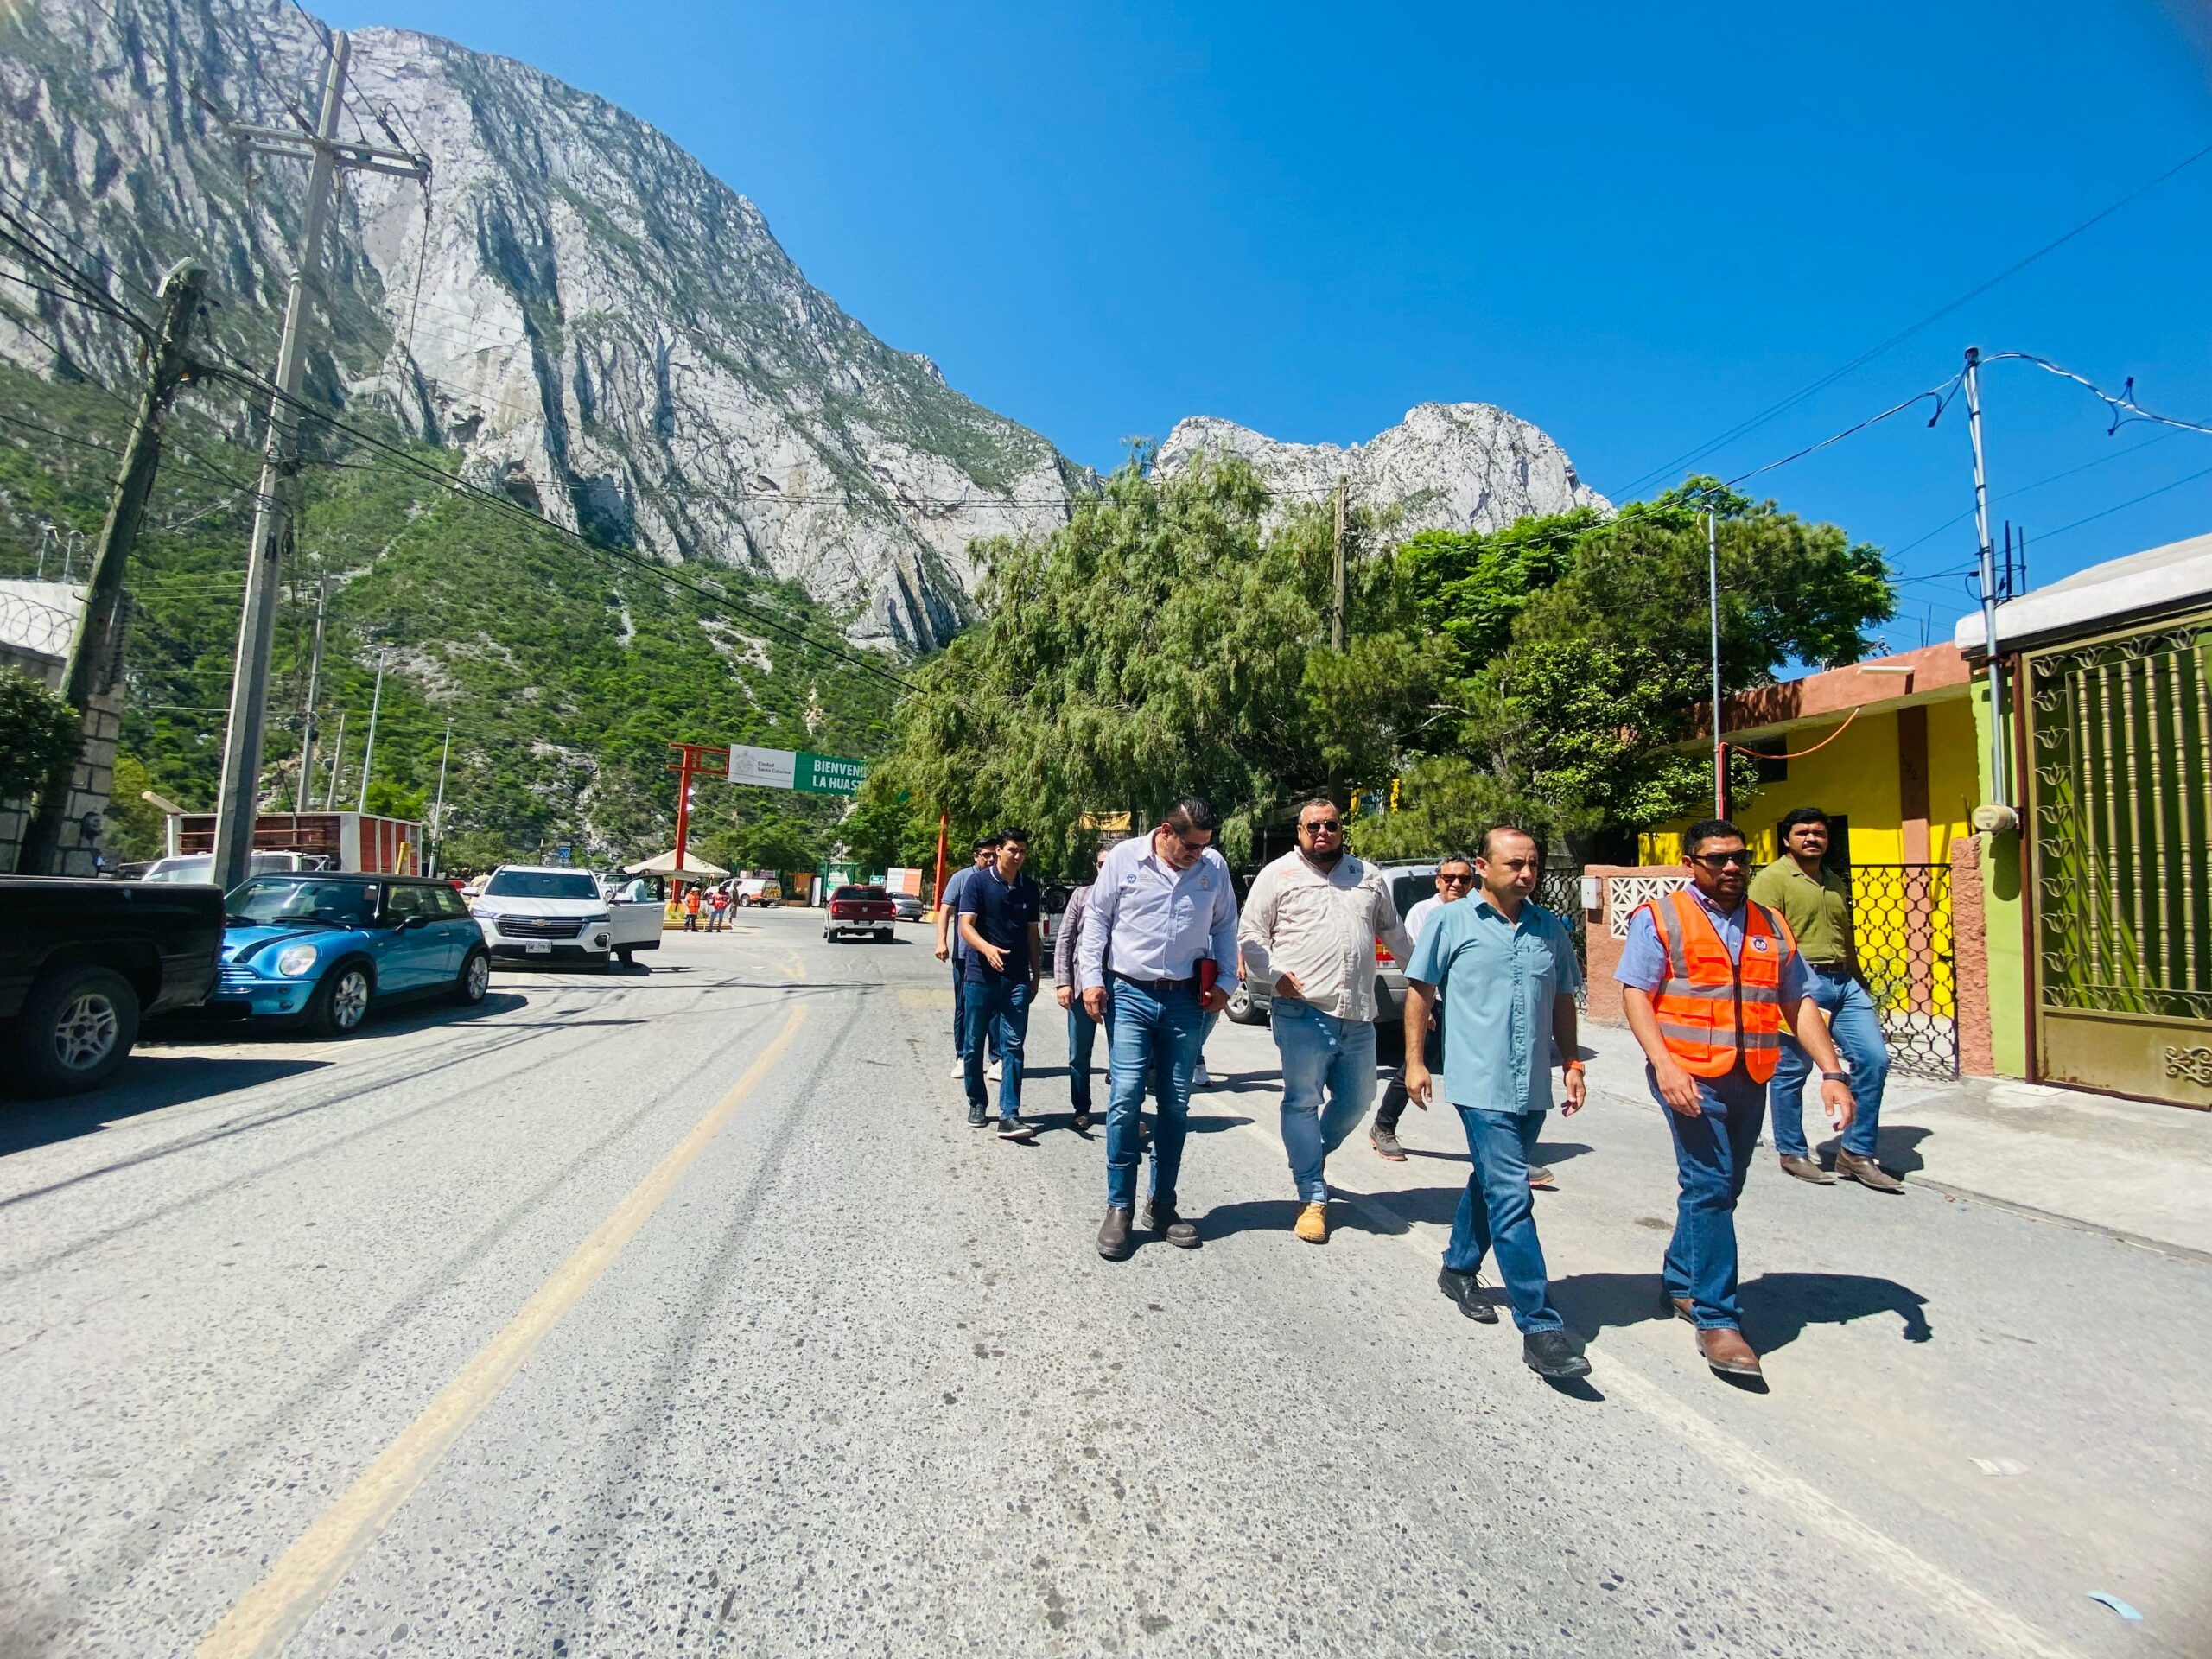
[[369, 753], [438, 812], [687, 768], [314, 673], [1340, 576], [1712, 605], [239, 799], [337, 760], [95, 641], [2001, 781]]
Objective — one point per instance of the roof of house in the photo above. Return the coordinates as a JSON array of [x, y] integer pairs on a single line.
[[2156, 582], [1928, 675]]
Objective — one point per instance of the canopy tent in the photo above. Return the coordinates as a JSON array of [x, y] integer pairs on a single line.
[[665, 865]]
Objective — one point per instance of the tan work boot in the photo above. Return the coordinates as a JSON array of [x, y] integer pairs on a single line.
[[1726, 1351], [1314, 1223]]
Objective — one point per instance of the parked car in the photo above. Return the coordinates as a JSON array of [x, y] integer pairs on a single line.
[[82, 962], [321, 947], [762, 890], [550, 912], [1054, 914], [200, 866], [1409, 883], [909, 906], [859, 909]]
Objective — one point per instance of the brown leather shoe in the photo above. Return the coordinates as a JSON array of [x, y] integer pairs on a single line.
[[1867, 1172], [1806, 1169], [1682, 1309], [1726, 1352]]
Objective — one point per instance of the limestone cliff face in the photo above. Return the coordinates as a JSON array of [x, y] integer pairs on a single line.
[[592, 319], [1446, 465]]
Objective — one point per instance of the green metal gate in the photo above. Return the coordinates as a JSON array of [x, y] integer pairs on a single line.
[[2119, 828]]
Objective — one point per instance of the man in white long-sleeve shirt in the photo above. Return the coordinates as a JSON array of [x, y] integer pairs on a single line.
[[1310, 927]]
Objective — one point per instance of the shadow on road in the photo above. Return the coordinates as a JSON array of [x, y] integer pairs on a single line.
[[1277, 1215], [1895, 1147], [1778, 1306], [147, 1082]]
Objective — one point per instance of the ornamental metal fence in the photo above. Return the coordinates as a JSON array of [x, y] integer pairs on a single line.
[[1901, 922]]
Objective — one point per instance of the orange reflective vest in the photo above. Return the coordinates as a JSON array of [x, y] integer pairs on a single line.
[[1712, 1009]]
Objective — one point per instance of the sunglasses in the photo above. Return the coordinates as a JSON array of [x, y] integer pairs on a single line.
[[1446, 879], [1720, 861], [1193, 847], [1320, 825]]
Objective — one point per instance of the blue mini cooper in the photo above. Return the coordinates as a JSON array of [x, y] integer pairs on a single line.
[[318, 947]]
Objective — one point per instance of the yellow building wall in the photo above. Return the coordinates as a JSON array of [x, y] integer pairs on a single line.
[[1856, 776], [1906, 956]]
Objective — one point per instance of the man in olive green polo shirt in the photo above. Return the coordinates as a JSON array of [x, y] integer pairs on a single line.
[[1816, 903]]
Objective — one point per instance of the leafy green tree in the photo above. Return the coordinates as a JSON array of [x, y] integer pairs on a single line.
[[136, 827], [38, 735], [1576, 657], [1167, 640]]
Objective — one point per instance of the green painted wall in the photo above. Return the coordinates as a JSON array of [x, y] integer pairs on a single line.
[[2001, 913]]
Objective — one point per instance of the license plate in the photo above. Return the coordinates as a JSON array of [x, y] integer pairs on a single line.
[[538, 950]]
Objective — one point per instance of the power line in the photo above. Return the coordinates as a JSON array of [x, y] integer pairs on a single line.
[[1899, 337], [2047, 534]]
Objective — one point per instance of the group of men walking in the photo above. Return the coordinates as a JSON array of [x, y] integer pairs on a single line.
[[1729, 985]]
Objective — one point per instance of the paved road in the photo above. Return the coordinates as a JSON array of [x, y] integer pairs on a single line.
[[679, 1312]]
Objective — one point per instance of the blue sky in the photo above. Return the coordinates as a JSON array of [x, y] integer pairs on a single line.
[[1634, 225]]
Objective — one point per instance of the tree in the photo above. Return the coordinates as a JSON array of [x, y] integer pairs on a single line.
[[136, 827], [1577, 655], [38, 735], [1167, 640]]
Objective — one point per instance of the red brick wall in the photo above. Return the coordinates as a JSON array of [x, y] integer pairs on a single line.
[[1605, 1005], [1970, 959]]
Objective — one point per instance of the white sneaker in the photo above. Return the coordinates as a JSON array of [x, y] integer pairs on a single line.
[[1202, 1078], [993, 1072], [959, 1068]]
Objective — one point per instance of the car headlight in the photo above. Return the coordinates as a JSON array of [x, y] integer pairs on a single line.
[[295, 960], [597, 920]]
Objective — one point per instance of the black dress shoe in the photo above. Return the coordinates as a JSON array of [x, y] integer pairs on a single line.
[[1114, 1235], [1162, 1219], [1467, 1289], [1555, 1356], [978, 1118]]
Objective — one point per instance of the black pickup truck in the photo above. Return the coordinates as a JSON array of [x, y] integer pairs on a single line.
[[82, 962]]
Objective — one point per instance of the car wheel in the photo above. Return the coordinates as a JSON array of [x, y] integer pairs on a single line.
[[1241, 1010], [340, 1003], [75, 1029], [476, 979]]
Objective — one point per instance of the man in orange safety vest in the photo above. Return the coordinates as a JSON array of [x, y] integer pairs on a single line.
[[1708, 980]]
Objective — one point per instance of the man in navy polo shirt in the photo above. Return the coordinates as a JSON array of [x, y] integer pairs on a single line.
[[1001, 913]]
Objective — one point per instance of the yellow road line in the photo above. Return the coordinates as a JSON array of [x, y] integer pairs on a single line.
[[273, 1610]]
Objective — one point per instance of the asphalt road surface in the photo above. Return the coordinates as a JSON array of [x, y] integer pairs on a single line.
[[679, 1312]]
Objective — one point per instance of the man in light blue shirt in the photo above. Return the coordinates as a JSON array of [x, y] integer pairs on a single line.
[[1161, 910], [1506, 969]]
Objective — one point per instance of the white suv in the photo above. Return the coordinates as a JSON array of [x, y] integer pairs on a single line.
[[548, 912]]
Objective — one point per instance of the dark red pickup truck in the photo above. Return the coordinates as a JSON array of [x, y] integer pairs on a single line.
[[860, 910]]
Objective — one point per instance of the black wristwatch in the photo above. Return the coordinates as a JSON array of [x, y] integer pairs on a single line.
[[1835, 1076]]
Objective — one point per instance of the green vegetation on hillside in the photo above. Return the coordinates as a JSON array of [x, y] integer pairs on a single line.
[[565, 674]]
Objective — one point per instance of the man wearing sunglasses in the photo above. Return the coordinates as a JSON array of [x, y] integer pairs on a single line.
[[1455, 878], [1158, 954], [1311, 923], [1709, 981]]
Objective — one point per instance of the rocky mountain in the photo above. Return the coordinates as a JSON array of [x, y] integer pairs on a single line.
[[1445, 467], [575, 304]]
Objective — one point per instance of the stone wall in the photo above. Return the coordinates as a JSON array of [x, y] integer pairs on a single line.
[[95, 774]]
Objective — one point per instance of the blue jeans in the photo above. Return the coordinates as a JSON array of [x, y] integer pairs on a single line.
[[1150, 1039], [1321, 1055], [1713, 1155], [1857, 1029], [998, 1013], [1497, 1213], [1083, 1034], [960, 1012]]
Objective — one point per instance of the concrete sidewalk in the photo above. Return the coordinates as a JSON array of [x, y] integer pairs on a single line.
[[2136, 1171]]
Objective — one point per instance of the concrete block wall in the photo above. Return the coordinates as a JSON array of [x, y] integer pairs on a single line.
[[93, 781]]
